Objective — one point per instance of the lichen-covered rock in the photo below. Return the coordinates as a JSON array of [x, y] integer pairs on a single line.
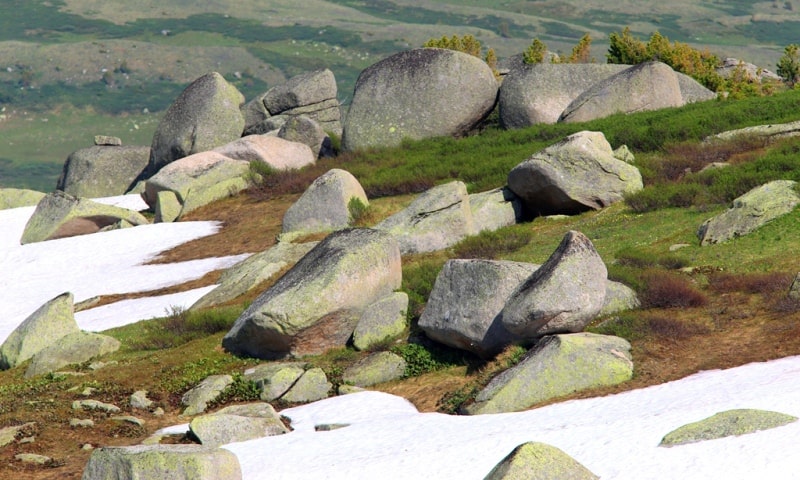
[[252, 271], [437, 219], [95, 405], [275, 379], [313, 385], [563, 295], [463, 309], [537, 93], [377, 368], [539, 461], [278, 153], [733, 66], [692, 91], [140, 401], [726, 424], [48, 324], [14, 432], [204, 116], [19, 197], [619, 298], [328, 287], [577, 174], [558, 365], [420, 93], [168, 206], [178, 462], [237, 423], [751, 211], [60, 215], [76, 347], [325, 205], [305, 130], [647, 86], [495, 209], [197, 399], [794, 288], [382, 321], [775, 130], [102, 171]]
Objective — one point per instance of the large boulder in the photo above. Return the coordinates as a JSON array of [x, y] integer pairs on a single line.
[[437, 219], [275, 379], [48, 324], [563, 295], [726, 424], [577, 174], [751, 211], [376, 368], [60, 215], [312, 94], [420, 93], [252, 271], [278, 153], [558, 365], [204, 116], [733, 67], [19, 197], [198, 180], [495, 209], [538, 93], [176, 462], [381, 322], [313, 385], [692, 91], [328, 289], [103, 171], [463, 309], [647, 86], [619, 298], [237, 423], [76, 347], [325, 205], [539, 461]]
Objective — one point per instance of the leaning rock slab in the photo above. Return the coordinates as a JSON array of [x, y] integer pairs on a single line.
[[237, 423], [563, 295], [437, 219], [275, 379], [278, 153], [377, 368], [539, 461], [179, 462], [647, 86], [463, 310], [495, 209], [76, 347], [577, 174], [310, 387], [726, 424], [60, 215], [102, 171], [19, 197], [324, 206], [381, 322], [204, 116], [49, 323], [333, 283], [197, 399], [420, 93], [751, 211], [558, 365]]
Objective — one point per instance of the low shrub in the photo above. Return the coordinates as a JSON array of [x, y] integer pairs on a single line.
[[674, 329], [424, 359], [628, 325], [493, 244], [631, 257], [762, 283], [670, 290], [418, 280]]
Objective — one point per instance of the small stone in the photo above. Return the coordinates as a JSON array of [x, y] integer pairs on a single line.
[[87, 447], [77, 422], [88, 391], [678, 246], [158, 412], [33, 458], [139, 400], [99, 365], [128, 419], [327, 427], [107, 140], [27, 440], [94, 405]]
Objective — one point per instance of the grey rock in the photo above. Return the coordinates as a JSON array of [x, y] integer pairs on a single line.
[[312, 386], [60, 215], [178, 462], [794, 288], [726, 424], [420, 93], [14, 432], [275, 379], [539, 461], [305, 130], [95, 405], [692, 91], [772, 131], [325, 204], [301, 90], [102, 171], [237, 424], [563, 295], [538, 93], [344, 273], [168, 206], [464, 306], [204, 116], [19, 197], [754, 72], [252, 272], [619, 298], [376, 368], [577, 174], [495, 209], [381, 322], [128, 419], [647, 86], [437, 219], [277, 153], [624, 153], [107, 140], [558, 365], [76, 347], [140, 401], [750, 211], [197, 399], [83, 423], [48, 324], [33, 458]]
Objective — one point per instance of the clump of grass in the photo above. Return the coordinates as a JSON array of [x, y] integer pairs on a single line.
[[632, 257], [421, 359], [268, 183], [669, 290], [178, 327], [493, 244]]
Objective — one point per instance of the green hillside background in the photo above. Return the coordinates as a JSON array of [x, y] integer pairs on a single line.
[[71, 69]]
